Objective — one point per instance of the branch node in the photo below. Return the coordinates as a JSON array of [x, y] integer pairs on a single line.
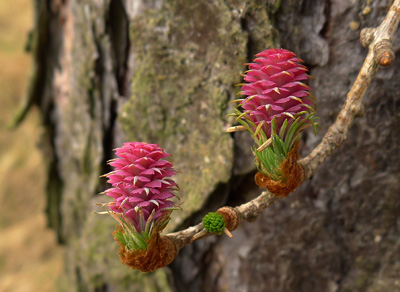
[[367, 35]]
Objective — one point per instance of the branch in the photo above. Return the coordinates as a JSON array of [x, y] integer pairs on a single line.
[[379, 42], [380, 53]]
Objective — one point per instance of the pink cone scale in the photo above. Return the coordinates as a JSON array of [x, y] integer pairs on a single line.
[[275, 90], [142, 187]]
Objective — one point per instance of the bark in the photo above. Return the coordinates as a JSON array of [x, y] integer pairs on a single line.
[[164, 72]]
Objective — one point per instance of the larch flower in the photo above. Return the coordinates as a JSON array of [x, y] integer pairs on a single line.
[[277, 106], [142, 190], [214, 223]]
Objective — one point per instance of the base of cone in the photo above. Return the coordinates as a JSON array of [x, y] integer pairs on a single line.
[[160, 252], [293, 175]]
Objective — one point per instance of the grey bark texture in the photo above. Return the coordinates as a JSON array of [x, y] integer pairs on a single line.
[[109, 71]]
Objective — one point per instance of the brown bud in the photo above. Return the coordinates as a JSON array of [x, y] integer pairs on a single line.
[[383, 53], [293, 175], [232, 219]]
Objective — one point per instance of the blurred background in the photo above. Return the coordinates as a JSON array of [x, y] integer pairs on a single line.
[[30, 259]]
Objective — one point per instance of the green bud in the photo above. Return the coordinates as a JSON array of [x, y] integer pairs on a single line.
[[214, 223]]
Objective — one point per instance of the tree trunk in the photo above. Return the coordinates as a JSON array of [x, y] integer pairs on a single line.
[[109, 71]]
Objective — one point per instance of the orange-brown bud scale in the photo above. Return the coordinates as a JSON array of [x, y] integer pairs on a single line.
[[231, 218], [384, 53], [293, 175], [160, 252]]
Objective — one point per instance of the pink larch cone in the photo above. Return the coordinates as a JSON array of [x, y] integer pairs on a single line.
[[276, 108], [141, 187]]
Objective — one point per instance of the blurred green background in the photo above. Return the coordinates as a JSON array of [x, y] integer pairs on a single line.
[[30, 260]]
